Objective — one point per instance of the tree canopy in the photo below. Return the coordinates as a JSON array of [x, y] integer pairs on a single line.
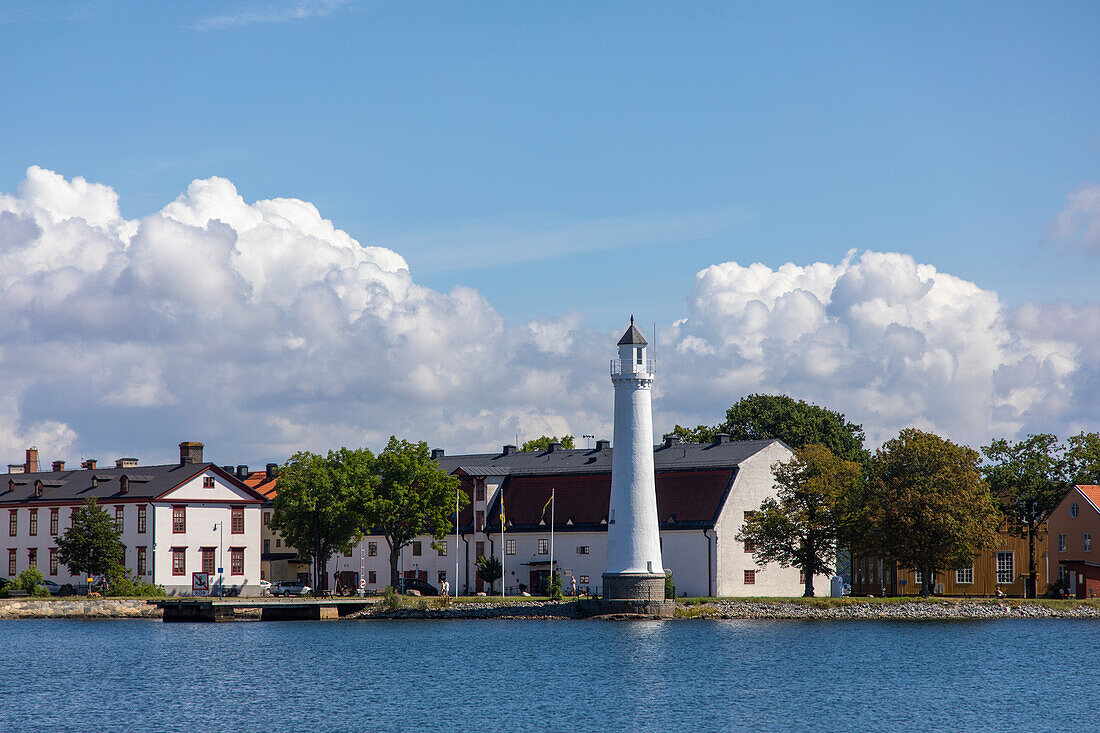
[[1082, 459], [322, 502], [796, 422], [928, 507], [800, 526], [490, 570], [413, 496], [91, 546], [543, 442]]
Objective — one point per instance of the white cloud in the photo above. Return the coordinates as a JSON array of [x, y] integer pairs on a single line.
[[272, 13], [1079, 223]]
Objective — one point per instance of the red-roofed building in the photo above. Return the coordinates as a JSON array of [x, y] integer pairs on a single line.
[[1072, 527], [278, 560]]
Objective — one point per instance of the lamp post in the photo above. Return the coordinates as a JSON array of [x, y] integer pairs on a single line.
[[220, 526]]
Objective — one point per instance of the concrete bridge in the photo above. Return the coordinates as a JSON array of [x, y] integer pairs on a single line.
[[214, 609]]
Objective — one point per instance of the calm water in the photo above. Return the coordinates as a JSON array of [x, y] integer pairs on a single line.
[[549, 675]]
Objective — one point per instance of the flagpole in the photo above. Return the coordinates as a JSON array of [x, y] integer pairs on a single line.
[[456, 539], [553, 506], [503, 549]]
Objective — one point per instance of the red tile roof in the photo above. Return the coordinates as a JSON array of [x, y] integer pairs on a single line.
[[258, 481], [1092, 493]]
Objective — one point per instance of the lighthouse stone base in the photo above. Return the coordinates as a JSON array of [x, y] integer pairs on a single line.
[[635, 593]]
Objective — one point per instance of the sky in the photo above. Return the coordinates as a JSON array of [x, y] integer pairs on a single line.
[[285, 225]]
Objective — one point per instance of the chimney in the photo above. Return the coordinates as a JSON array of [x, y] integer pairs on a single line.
[[88, 465], [126, 463], [59, 465], [437, 453], [16, 467], [603, 444], [671, 440], [228, 469], [272, 470], [242, 471], [509, 450], [31, 465], [553, 446], [190, 452], [721, 438]]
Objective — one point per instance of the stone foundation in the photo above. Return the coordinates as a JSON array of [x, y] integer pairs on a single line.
[[634, 586]]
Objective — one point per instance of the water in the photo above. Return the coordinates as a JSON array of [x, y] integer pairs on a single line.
[[549, 676]]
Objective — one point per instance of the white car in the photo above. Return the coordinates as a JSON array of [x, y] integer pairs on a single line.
[[290, 588], [265, 587]]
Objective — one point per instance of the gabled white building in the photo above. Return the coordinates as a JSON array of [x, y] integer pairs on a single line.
[[174, 520]]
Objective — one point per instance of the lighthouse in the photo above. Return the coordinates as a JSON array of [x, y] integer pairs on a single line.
[[633, 572]]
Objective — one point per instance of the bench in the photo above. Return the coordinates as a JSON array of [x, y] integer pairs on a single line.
[[17, 593]]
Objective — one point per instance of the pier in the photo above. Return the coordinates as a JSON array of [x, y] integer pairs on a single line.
[[216, 610]]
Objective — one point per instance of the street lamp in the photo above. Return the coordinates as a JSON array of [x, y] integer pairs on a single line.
[[220, 526]]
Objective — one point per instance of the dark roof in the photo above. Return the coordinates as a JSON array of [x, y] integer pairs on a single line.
[[677, 456], [68, 486], [632, 335]]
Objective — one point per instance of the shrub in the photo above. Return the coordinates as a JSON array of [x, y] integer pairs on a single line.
[[670, 587], [30, 580], [124, 583], [391, 601], [553, 588], [67, 590]]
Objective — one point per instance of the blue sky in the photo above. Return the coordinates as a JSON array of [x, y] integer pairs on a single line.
[[480, 139], [545, 170]]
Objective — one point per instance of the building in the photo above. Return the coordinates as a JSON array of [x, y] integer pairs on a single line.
[[1072, 525], [703, 493], [278, 560], [175, 520]]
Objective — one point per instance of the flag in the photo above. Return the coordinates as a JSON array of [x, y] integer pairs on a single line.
[[548, 503]]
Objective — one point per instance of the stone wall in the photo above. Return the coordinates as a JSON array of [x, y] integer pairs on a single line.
[[76, 608]]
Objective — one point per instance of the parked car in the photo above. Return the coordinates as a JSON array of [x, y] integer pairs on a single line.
[[290, 588], [265, 587], [52, 587], [421, 586]]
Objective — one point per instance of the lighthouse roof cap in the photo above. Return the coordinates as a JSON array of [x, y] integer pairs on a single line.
[[632, 336]]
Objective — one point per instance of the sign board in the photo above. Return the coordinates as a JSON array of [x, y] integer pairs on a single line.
[[200, 584], [903, 581]]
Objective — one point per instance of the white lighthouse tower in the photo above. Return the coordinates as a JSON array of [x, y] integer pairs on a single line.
[[633, 572]]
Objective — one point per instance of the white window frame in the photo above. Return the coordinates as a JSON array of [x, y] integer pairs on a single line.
[[1086, 542], [1010, 573], [1061, 543], [964, 576]]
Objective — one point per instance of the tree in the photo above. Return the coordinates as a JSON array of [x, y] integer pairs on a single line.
[[800, 526], [91, 546], [1082, 459], [796, 422], [928, 507], [543, 442], [321, 504], [489, 570], [413, 497], [1029, 479]]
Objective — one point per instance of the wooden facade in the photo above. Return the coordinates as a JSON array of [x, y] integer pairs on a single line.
[[1004, 567]]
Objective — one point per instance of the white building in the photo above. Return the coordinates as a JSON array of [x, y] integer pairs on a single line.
[[174, 520], [703, 493]]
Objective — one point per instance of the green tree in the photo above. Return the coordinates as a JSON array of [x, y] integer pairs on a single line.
[[543, 442], [796, 422], [91, 546], [30, 581], [1082, 459], [800, 526], [413, 497], [322, 503], [928, 507], [1028, 477], [489, 570]]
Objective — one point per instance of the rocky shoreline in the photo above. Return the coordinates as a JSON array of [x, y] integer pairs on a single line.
[[84, 608]]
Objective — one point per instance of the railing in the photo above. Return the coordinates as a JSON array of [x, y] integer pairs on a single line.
[[631, 366]]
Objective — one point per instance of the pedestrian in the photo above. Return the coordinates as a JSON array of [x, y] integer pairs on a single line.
[[573, 585], [446, 588]]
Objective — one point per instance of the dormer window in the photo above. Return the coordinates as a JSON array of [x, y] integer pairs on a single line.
[[123, 484], [11, 484], [95, 481], [38, 488]]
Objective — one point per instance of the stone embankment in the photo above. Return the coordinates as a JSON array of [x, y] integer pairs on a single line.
[[483, 610], [77, 608], [916, 610]]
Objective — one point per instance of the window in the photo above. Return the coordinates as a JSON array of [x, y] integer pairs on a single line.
[[479, 489], [179, 520], [1074, 510], [509, 547], [278, 541], [1088, 542], [1061, 543], [33, 525], [479, 549], [53, 521], [236, 520], [1063, 574], [582, 549], [750, 546], [236, 561], [750, 577], [583, 579], [442, 577], [179, 564], [208, 482], [372, 549], [53, 561], [347, 554], [13, 522], [544, 547], [1006, 572], [118, 519], [918, 577], [964, 575], [267, 518], [267, 546], [480, 525], [802, 577], [32, 557], [208, 560], [141, 518], [372, 577], [141, 568], [417, 548], [11, 562], [441, 548]]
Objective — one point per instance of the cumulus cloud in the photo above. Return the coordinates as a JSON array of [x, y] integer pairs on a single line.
[[1079, 223]]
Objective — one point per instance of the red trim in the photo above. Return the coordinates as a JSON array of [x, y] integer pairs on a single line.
[[233, 481]]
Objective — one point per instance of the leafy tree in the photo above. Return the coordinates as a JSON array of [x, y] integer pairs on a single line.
[[928, 507], [800, 526], [1082, 459], [543, 442], [91, 546], [1029, 479], [489, 570], [796, 422], [322, 502], [413, 497], [30, 581]]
